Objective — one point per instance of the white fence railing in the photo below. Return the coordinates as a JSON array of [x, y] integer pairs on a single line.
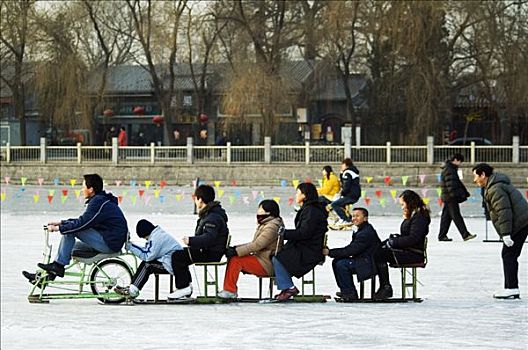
[[191, 154]]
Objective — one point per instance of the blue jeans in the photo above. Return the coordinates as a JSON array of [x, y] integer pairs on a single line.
[[344, 268], [90, 239], [282, 276], [339, 205]]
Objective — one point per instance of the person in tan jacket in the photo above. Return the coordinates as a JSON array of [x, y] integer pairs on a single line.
[[255, 257]]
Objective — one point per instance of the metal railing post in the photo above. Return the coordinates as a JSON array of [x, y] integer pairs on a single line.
[[472, 153], [388, 152], [430, 149], [190, 150], [348, 144], [115, 150], [267, 149], [228, 155], [307, 152], [515, 150], [79, 153], [8, 153], [43, 150]]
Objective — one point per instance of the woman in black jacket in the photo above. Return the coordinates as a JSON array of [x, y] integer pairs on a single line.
[[407, 247], [304, 247]]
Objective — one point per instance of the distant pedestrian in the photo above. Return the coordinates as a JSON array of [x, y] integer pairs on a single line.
[[122, 139], [453, 193], [509, 213]]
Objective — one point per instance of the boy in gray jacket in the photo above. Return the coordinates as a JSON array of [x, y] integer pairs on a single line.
[[156, 255]]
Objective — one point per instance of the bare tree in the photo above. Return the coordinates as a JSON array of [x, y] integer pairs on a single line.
[[157, 25], [14, 34]]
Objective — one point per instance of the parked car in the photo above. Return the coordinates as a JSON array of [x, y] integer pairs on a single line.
[[466, 141]]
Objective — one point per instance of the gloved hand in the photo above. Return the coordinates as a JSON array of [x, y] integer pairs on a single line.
[[508, 242], [385, 244], [281, 230], [231, 252]]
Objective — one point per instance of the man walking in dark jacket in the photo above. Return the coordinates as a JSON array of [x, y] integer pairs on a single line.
[[207, 245], [355, 258], [350, 191], [509, 213], [453, 193], [102, 227]]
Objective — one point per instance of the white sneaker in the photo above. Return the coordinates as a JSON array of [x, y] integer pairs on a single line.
[[224, 294], [513, 293], [181, 293]]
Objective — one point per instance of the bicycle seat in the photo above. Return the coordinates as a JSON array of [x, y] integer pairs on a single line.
[[91, 256]]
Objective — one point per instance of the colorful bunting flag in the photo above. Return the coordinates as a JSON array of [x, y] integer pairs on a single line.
[[440, 202], [424, 192], [245, 199], [120, 199], [290, 201], [363, 193], [133, 199], [439, 191], [73, 182], [367, 201], [40, 181], [179, 197], [220, 193], [393, 193], [65, 192], [56, 181], [36, 198], [378, 193], [147, 184], [231, 199], [277, 199], [255, 193], [438, 177], [422, 179], [23, 181], [382, 202], [51, 192], [295, 183], [141, 192], [387, 180], [217, 183], [118, 183], [3, 196], [77, 193], [162, 199], [404, 180], [369, 179], [233, 183], [163, 183], [63, 199], [147, 199], [156, 193], [7, 179], [426, 200], [284, 183], [133, 183], [50, 198]]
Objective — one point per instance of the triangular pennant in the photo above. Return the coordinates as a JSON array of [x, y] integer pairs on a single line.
[[3, 196], [147, 199], [120, 199], [36, 198], [73, 182], [231, 199], [141, 192], [245, 199], [424, 192], [118, 183], [387, 180], [439, 191], [438, 177], [237, 192], [378, 193], [7, 179], [50, 198], [393, 193], [217, 183], [404, 180], [51, 192], [383, 201], [125, 192], [147, 184], [221, 193], [426, 200], [422, 179], [40, 181], [178, 197], [77, 193], [65, 192], [63, 199], [163, 183], [367, 201], [133, 183], [133, 199], [156, 193], [295, 183], [440, 202], [369, 179], [254, 194], [23, 181], [56, 181], [284, 183], [290, 201], [277, 199], [233, 183], [363, 193], [162, 199]]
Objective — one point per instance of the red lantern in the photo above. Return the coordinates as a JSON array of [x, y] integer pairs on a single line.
[[139, 110], [203, 118], [157, 119], [108, 112]]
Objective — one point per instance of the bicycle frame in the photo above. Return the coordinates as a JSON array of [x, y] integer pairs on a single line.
[[78, 281]]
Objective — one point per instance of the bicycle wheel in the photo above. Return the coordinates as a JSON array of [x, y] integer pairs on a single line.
[[106, 275]]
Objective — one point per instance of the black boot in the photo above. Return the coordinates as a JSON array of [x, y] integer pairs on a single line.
[[53, 268], [385, 289]]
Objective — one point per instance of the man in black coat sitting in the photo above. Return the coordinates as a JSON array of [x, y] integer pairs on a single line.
[[355, 258]]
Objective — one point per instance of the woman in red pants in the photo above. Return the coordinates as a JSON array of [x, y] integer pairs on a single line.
[[255, 257]]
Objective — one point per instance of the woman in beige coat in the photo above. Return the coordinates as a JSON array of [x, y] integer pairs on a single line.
[[255, 257]]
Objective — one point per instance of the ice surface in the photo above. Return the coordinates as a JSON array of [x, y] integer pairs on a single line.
[[458, 311]]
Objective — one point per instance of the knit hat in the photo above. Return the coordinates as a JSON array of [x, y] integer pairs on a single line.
[[144, 228]]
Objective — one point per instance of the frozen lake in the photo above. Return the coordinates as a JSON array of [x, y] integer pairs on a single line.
[[458, 311]]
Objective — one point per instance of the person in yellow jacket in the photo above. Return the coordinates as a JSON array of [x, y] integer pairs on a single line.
[[330, 186]]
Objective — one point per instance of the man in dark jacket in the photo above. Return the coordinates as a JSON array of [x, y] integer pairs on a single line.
[[102, 226], [509, 213], [453, 193], [207, 245], [355, 258], [350, 191]]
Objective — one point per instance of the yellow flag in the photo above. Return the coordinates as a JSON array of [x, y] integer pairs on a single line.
[[217, 183], [23, 180], [147, 184], [77, 193], [295, 183], [3, 196], [156, 193], [220, 193], [393, 193], [178, 197], [276, 199], [73, 182], [369, 179], [426, 200]]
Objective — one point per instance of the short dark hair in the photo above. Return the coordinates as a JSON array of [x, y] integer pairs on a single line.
[[483, 168], [205, 192], [363, 210], [270, 206], [348, 162], [458, 156], [93, 181], [309, 190]]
